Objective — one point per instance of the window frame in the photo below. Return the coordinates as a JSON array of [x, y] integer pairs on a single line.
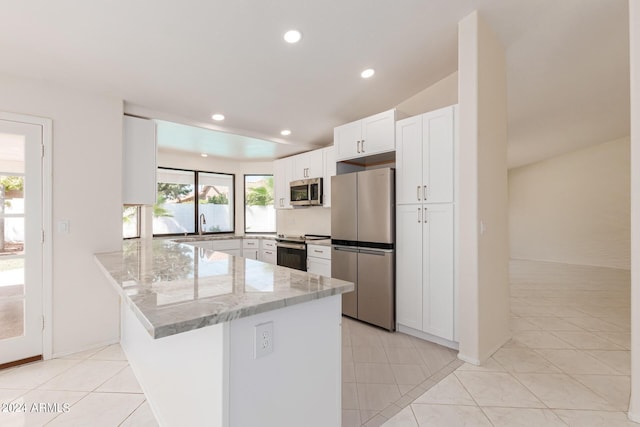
[[244, 200], [196, 209]]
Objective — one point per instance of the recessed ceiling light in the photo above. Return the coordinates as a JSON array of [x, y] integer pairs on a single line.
[[285, 132], [368, 73], [204, 155], [218, 117], [292, 36]]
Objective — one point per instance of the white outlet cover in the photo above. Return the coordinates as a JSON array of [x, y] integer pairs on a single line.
[[263, 342]]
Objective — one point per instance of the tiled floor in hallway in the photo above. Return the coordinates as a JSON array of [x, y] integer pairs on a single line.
[[98, 386], [568, 363]]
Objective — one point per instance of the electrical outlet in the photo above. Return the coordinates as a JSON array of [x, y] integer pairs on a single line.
[[263, 344]]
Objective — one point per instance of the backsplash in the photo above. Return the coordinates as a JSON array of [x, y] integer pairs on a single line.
[[299, 221]]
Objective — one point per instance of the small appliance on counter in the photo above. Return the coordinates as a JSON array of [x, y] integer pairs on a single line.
[[363, 243], [292, 250]]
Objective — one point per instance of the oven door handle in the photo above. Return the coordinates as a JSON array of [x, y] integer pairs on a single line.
[[300, 246]]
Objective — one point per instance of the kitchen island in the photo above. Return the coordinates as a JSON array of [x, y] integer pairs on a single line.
[[220, 340]]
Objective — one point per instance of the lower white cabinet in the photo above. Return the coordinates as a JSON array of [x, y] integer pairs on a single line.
[[425, 292], [268, 251], [319, 260], [250, 248]]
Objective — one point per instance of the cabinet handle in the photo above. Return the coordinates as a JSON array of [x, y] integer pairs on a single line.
[[418, 192], [362, 145], [268, 252], [419, 215], [358, 145], [317, 251], [425, 217], [424, 192]]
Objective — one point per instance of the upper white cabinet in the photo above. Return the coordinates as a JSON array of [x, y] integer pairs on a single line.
[[372, 135], [308, 165], [282, 176], [138, 161], [329, 171], [319, 163], [425, 157]]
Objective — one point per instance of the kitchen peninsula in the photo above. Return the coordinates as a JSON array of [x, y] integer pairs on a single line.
[[220, 340]]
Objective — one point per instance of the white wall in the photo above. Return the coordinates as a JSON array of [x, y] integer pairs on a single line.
[[483, 243], [87, 167], [573, 208], [634, 39], [180, 160], [441, 94], [299, 221]]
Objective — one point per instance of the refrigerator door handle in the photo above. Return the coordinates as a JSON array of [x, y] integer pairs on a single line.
[[379, 252], [345, 248]]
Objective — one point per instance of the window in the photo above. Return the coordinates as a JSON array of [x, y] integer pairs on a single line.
[[176, 212], [130, 222], [259, 213], [215, 202]]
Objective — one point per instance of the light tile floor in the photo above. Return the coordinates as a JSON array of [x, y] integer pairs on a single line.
[[568, 363], [98, 386]]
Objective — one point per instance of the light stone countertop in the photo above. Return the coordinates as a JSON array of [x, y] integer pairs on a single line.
[[174, 288], [323, 242]]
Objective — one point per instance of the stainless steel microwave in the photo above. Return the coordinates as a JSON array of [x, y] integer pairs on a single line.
[[306, 192]]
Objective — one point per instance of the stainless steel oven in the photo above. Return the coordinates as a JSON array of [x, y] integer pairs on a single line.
[[292, 254]]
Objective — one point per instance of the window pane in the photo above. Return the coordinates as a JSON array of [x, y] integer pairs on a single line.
[[215, 197], [174, 211], [260, 215], [130, 225]]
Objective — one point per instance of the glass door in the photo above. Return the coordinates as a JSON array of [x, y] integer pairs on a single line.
[[20, 241]]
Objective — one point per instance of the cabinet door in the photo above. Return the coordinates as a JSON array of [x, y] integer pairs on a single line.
[[409, 160], [250, 253], [437, 155], [319, 266], [315, 163], [139, 161], [409, 265], [329, 171], [282, 173], [300, 166], [437, 261], [269, 255], [378, 133], [345, 140]]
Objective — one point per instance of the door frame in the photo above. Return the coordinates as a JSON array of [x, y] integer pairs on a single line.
[[47, 221]]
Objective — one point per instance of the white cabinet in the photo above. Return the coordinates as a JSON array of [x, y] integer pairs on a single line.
[[329, 171], [138, 161], [319, 260], [425, 228], [268, 251], [308, 165], [425, 158], [250, 248], [372, 135], [425, 268], [282, 176]]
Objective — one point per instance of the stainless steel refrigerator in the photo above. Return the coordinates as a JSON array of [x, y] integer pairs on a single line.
[[363, 243]]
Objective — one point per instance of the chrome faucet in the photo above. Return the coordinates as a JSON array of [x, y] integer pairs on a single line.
[[202, 221]]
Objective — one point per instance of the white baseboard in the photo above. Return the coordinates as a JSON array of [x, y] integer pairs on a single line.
[[426, 336], [111, 341], [479, 361]]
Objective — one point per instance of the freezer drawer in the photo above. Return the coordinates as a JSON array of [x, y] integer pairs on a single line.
[[376, 296], [344, 265]]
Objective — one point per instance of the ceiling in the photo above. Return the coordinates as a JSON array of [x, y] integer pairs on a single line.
[[568, 65]]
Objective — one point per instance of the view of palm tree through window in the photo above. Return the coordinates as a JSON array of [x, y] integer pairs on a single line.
[[259, 212]]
